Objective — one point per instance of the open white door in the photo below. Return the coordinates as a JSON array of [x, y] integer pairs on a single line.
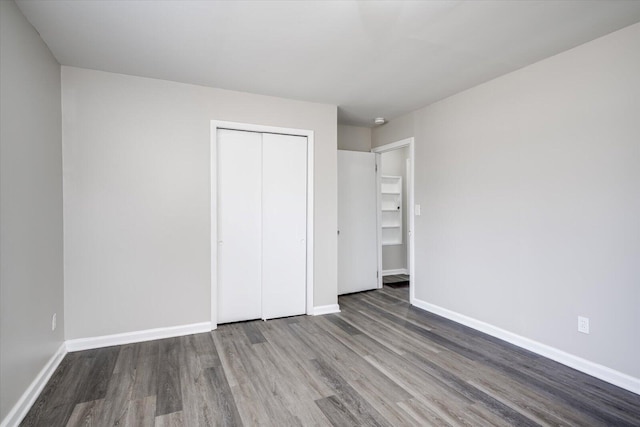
[[357, 219]]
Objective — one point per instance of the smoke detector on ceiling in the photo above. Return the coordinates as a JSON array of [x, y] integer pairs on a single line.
[[379, 121]]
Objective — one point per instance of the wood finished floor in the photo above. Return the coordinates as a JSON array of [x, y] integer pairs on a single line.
[[378, 363], [396, 280]]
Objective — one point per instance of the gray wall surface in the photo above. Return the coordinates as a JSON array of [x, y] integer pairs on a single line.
[[31, 274], [354, 138], [394, 164], [395, 130], [137, 197], [530, 194]]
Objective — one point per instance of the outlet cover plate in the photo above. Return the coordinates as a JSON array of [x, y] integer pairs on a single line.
[[583, 324]]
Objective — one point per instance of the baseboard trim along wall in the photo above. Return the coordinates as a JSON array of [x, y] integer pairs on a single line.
[[137, 336], [395, 271], [326, 309], [28, 398], [609, 375]]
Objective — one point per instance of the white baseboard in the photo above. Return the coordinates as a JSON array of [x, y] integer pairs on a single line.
[[326, 309], [395, 271], [594, 369], [137, 336], [28, 398]]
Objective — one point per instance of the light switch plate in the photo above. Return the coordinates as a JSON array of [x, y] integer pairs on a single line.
[[417, 210]]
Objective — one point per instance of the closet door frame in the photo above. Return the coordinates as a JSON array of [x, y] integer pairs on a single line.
[[217, 124]]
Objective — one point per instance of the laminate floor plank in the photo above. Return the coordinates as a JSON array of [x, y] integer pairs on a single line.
[[337, 413], [379, 362], [250, 407], [285, 376], [119, 394], [206, 350], [359, 343], [141, 412], [391, 411], [351, 366], [447, 403], [225, 340], [45, 402], [53, 416], [146, 369], [542, 414], [196, 406], [266, 386], [252, 412], [127, 357], [60, 400], [422, 415], [394, 338], [75, 383], [401, 293], [253, 333], [482, 417], [284, 346], [168, 394], [102, 369], [397, 315], [285, 338], [173, 419], [224, 406], [472, 393], [386, 299], [347, 327], [86, 414], [365, 413]]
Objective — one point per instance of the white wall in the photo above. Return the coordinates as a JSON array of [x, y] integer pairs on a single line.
[[530, 193], [31, 275], [354, 138], [394, 164], [137, 196]]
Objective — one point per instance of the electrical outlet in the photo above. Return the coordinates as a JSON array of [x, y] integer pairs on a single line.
[[53, 322], [583, 324]]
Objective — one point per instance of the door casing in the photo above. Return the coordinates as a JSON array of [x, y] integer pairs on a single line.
[[408, 142]]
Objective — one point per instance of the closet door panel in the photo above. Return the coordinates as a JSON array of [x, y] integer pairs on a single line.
[[239, 225], [284, 225]]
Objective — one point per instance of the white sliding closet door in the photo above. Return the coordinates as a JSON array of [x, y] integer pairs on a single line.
[[284, 225], [239, 225], [262, 225]]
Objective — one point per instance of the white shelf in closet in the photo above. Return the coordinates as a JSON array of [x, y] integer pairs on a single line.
[[391, 197]]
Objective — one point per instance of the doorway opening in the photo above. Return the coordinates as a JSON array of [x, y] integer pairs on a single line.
[[395, 208]]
